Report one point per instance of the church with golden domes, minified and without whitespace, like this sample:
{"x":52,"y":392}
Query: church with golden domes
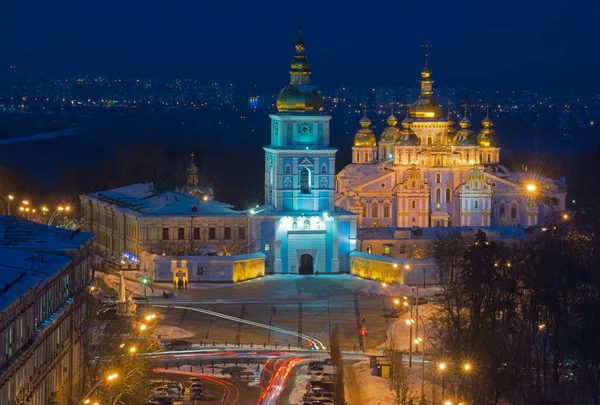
{"x":429,"y":174}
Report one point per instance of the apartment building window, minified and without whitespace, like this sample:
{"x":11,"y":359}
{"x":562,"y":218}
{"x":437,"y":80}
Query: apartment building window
{"x":196,"y":233}
{"x":165,"y":234}
{"x":227,"y":233}
{"x":180,"y":233}
{"x":212,"y":233}
{"x":242,"y":233}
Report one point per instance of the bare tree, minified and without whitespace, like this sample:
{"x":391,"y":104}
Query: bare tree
{"x":399,"y":377}
{"x":339,"y":397}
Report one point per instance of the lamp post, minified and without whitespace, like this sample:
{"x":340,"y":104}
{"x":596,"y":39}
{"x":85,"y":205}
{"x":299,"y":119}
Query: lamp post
{"x":109,"y":378}
{"x":8,"y":199}
{"x":59,"y":209}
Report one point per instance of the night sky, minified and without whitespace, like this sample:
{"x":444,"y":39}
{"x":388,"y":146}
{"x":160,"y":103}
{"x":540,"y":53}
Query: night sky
{"x":521,"y":43}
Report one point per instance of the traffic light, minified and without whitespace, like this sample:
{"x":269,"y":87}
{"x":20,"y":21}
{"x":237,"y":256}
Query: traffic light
{"x":311,"y":345}
{"x":144,"y":280}
{"x":363,"y":331}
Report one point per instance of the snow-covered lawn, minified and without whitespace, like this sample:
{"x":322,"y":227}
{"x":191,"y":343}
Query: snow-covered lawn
{"x":374,"y":390}
{"x":172,"y":332}
{"x":299,"y":390}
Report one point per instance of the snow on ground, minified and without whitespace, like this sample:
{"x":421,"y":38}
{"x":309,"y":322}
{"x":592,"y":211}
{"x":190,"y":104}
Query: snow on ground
{"x":219,"y":369}
{"x":394,"y":289}
{"x":208,"y":345}
{"x":299,"y":390}
{"x":374,"y":390}
{"x":172,"y":332}
{"x":131,"y":287}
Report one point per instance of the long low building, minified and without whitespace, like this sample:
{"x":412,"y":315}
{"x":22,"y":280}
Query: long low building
{"x":45,"y":273}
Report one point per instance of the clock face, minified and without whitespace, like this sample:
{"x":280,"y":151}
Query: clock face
{"x":304,"y":129}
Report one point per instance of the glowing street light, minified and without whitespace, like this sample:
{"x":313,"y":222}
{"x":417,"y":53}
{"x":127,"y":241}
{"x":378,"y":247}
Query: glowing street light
{"x":442,"y":366}
{"x":132,"y":349}
{"x":143,"y":327}
{"x":112,"y":377}
{"x":531,"y":187}
{"x":396,"y":301}
{"x":467,"y":367}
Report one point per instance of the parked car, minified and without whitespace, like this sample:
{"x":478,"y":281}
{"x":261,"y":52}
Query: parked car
{"x":197,"y":394}
{"x":178,"y":345}
{"x":173,"y":386}
{"x":422,"y":301}
{"x":196,"y":380}
{"x":164,"y":392}
{"x":197,"y":386}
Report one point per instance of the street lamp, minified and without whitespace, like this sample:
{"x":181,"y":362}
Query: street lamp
{"x":467,"y":367}
{"x":143,"y":327}
{"x":442,"y":369}
{"x":8,"y":199}
{"x":132,"y":349}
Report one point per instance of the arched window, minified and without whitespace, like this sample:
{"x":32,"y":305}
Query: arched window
{"x":357,"y":157}
{"x":323,"y":168}
{"x":489,"y":158}
{"x":467,"y":158}
{"x":413,"y":183}
{"x":337,"y":186}
{"x":476,"y":204}
{"x":318,"y":225}
{"x":369,"y":249}
{"x":437,"y":223}
{"x":438,"y":178}
{"x":374,"y":209}
{"x":438,"y":195}
{"x":306,"y":224}
{"x":438,"y":162}
{"x":366,"y":156}
{"x":448,"y":195}
{"x":413,"y":204}
{"x":304,"y":185}
{"x":295,"y":226}
{"x":429,"y":141}
{"x":364,"y":210}
{"x":409,"y":156}
{"x":288,"y":169}
{"x":481,"y":158}
{"x":386,"y":210}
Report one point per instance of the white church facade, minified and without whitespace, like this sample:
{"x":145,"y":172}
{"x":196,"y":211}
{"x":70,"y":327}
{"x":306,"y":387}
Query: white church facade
{"x":429,"y":174}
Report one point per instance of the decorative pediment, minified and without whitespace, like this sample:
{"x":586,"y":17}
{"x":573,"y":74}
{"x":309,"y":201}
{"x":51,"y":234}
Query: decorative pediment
{"x":306,"y":161}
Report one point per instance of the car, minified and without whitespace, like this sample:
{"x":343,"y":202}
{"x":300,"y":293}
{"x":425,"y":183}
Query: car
{"x":164,"y":392}
{"x":197,"y":394}
{"x":197,"y":386}
{"x":316,"y":371}
{"x":422,"y":301}
{"x":178,"y":345}
{"x":196,"y":380}
{"x":173,"y":386}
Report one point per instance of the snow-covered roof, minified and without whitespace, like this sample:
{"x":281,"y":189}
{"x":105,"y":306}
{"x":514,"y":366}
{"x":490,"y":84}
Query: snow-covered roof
{"x":21,"y":270}
{"x":18,"y":233}
{"x":139,"y":199}
{"x":361,"y":173}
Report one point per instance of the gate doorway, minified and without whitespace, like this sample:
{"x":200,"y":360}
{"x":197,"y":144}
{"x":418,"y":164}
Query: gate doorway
{"x":306,"y":264}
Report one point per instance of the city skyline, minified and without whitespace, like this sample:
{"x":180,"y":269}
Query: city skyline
{"x":538,"y":46}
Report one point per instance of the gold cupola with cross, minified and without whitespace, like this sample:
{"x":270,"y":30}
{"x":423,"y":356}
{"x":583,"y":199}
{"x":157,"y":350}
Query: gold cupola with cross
{"x":426,"y":107}
{"x":299,"y":96}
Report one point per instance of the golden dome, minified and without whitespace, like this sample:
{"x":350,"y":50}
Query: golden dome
{"x":464,"y":136}
{"x":487,"y":136}
{"x":425,"y":108}
{"x":407,"y":136}
{"x":300,"y":96}
{"x":364,"y":136}
{"x":390,"y":134}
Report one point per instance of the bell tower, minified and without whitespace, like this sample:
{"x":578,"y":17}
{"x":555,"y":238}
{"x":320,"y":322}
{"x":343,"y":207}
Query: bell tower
{"x":299,"y":163}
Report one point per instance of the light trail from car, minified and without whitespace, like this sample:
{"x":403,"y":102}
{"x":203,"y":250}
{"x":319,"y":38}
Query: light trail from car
{"x":317,"y":342}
